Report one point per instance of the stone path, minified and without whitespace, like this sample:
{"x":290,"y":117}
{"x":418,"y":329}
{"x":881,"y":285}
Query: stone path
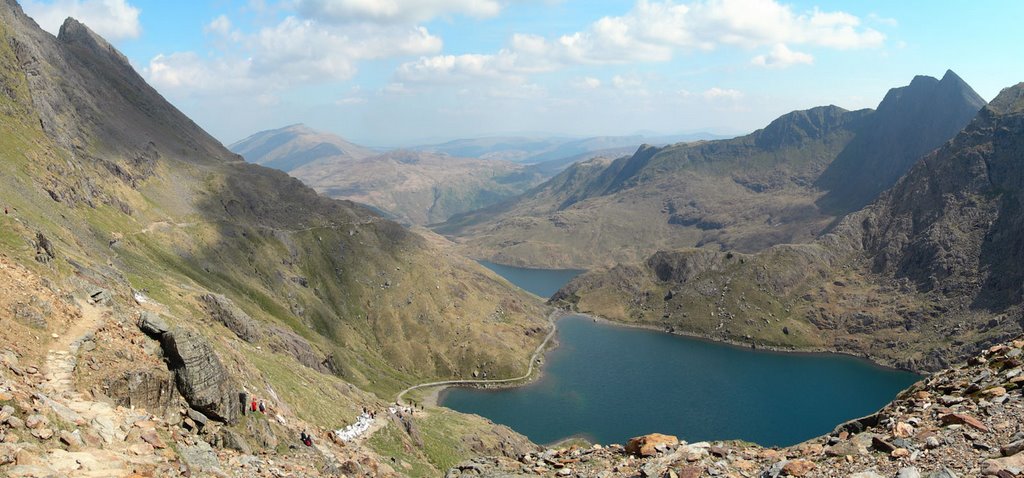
{"x":101,"y":427}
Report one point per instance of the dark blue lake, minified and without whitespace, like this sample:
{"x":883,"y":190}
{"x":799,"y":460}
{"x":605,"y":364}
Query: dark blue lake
{"x":542,"y":282}
{"x":609,"y":383}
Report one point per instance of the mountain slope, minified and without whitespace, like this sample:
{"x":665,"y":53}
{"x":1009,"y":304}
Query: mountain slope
{"x":925,"y":275}
{"x":745,"y":193}
{"x":294,"y":146}
{"x":110,"y":186}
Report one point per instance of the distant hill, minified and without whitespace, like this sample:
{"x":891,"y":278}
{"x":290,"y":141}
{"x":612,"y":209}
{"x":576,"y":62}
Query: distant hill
{"x":295,"y":146}
{"x":785,"y":183}
{"x":531,"y":150}
{"x":926,"y":275}
{"x":418,"y":187}
{"x":414,"y":187}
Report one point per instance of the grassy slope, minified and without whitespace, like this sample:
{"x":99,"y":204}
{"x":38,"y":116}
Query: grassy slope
{"x":710,"y":189}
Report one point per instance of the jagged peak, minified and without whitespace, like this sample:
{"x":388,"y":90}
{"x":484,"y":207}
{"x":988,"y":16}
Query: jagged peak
{"x":1009,"y":101}
{"x":951,"y":76}
{"x":927,"y":88}
{"x":74,"y":32}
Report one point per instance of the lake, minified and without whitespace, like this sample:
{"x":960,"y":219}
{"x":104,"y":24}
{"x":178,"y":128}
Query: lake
{"x":542,"y":282}
{"x":609,"y":383}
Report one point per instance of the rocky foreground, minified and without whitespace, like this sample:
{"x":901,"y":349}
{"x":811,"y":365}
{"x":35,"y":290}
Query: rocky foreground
{"x":962,"y":421}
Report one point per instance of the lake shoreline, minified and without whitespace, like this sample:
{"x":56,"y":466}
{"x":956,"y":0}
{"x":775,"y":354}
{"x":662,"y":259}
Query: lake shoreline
{"x":631,"y":350}
{"x":747,"y":345}
{"x":435,"y":395}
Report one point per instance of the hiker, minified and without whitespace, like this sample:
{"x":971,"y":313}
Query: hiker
{"x":253,"y":405}
{"x":263,"y":408}
{"x":306,"y":439}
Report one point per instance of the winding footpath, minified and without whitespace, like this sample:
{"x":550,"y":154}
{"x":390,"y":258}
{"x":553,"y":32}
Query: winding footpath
{"x":529,"y":371}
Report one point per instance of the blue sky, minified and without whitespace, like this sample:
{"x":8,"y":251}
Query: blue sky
{"x":399,"y":72}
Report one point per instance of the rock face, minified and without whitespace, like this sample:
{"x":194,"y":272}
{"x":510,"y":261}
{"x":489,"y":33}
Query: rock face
{"x":149,"y":389}
{"x":200,"y":376}
{"x":288,"y":342}
{"x":226,"y":312}
{"x":911,"y":121}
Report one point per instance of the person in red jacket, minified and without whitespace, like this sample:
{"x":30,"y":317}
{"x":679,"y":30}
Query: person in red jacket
{"x":253,"y":406}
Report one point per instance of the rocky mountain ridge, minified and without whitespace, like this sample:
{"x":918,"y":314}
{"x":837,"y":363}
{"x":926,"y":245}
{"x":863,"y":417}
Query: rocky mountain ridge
{"x":920,"y":278}
{"x":744,"y":194}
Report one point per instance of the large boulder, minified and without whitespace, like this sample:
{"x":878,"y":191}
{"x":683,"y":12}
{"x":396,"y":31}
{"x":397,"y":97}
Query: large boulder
{"x":226,"y":312}
{"x":648,"y":445}
{"x":201,"y":377}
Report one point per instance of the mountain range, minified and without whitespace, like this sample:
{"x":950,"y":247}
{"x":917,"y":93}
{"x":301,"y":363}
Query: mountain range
{"x":541,"y":149}
{"x":785,"y":183}
{"x":427,"y":184}
{"x":924,"y":276}
{"x":413,"y":187}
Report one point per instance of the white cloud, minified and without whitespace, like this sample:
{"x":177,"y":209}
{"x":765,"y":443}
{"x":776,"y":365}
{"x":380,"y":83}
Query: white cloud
{"x":624,"y":83}
{"x":887,"y":21}
{"x":111,"y":19}
{"x":587,"y":82}
{"x":401,"y":11}
{"x":717,"y":93}
{"x":655,"y":31}
{"x":220,"y":26}
{"x":781,"y":56}
{"x":294,"y":51}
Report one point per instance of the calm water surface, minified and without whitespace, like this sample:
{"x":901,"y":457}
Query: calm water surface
{"x":610,"y":383}
{"x":542,"y":282}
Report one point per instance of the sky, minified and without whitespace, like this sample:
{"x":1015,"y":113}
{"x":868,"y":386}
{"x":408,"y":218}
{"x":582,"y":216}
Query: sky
{"x":403,"y":72}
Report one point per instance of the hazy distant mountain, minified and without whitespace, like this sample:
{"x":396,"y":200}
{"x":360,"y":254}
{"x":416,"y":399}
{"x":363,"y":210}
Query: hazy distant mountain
{"x":540,"y":149}
{"x":745,"y":193}
{"x":927,"y":274}
{"x":295,"y":146}
{"x":414,"y":187}
{"x":418,"y":187}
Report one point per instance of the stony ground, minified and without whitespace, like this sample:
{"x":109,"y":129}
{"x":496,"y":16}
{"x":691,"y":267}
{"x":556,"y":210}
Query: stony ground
{"x":55,"y":421}
{"x":961,"y":422}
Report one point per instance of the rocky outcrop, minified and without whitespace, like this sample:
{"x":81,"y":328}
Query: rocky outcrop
{"x":289,"y":343}
{"x":225,"y":311}
{"x":200,"y":375}
{"x":152,"y":390}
